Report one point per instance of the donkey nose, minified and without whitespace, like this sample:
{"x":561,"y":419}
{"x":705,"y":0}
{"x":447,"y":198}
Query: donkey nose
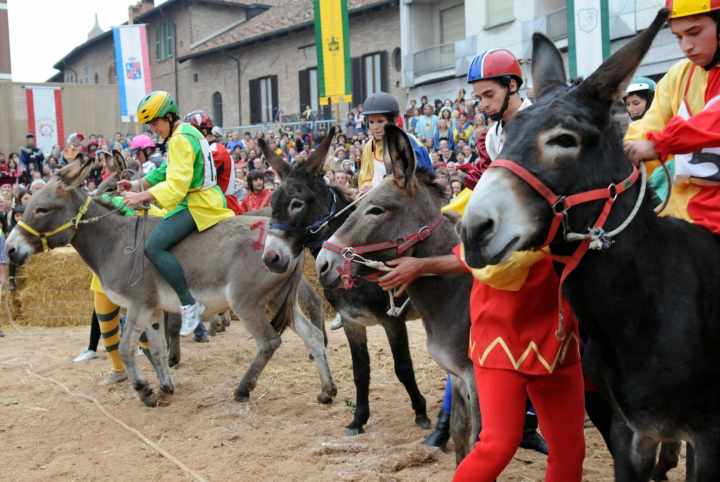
{"x":271,"y":257}
{"x":324,"y":268}
{"x":478,"y":232}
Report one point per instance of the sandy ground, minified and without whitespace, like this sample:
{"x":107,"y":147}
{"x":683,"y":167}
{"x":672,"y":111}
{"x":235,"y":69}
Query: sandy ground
{"x":283,"y":434}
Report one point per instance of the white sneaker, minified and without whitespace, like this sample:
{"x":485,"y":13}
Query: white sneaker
{"x":191,"y":317}
{"x":85,"y":356}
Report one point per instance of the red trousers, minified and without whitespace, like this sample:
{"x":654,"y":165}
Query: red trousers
{"x":559,"y":401}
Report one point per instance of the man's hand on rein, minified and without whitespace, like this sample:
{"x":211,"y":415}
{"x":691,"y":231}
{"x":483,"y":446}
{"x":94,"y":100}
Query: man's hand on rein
{"x":405,"y":271}
{"x":638,"y":151}
{"x":137,"y":199}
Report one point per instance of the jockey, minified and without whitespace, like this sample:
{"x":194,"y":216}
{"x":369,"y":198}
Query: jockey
{"x":639,"y":96}
{"x":380,"y":109}
{"x":682,"y":122}
{"x":223,"y":162}
{"x":186,"y":186}
{"x":141,"y":148}
{"x":514,"y":344}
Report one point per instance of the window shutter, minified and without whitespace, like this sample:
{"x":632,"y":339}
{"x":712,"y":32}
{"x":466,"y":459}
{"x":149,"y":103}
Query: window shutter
{"x":384,"y":81}
{"x":274,"y":88}
{"x":357,"y":81}
{"x":255,"y":114}
{"x":170,"y":39}
{"x":304,"y":84}
{"x":158,"y":42}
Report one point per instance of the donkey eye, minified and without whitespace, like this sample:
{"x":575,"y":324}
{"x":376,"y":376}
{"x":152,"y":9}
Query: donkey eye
{"x":375,"y":211}
{"x":565,"y":141}
{"x":41,"y":211}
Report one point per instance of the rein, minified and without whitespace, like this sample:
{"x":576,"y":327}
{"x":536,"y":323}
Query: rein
{"x":73,"y":223}
{"x":596,"y":238}
{"x":354,"y":254}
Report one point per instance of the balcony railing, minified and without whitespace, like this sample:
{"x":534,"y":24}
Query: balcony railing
{"x":434,"y":59}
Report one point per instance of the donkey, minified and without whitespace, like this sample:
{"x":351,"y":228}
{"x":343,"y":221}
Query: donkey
{"x":648,"y":298}
{"x":305,"y":212}
{"x":230,"y":276}
{"x":405,"y":205}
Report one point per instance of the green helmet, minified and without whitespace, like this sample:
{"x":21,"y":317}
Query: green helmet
{"x":156,"y":104}
{"x":641,"y":84}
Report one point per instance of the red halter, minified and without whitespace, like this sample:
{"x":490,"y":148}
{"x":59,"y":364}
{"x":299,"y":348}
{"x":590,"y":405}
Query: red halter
{"x":401,"y":245}
{"x":560,"y":206}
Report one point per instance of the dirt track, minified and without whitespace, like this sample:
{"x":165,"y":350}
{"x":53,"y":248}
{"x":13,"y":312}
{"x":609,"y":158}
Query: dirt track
{"x":282,"y":434}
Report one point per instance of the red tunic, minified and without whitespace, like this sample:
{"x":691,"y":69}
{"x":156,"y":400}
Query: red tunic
{"x":516,"y":330}
{"x":225,"y":175}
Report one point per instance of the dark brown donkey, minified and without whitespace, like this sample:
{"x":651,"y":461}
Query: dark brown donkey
{"x":305,"y":212}
{"x":404,"y":206}
{"x":648,"y":299}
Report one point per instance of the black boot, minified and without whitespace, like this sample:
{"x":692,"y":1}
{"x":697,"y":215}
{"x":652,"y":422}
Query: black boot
{"x":441,"y":434}
{"x":532,"y":440}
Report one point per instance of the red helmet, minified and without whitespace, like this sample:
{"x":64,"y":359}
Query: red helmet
{"x":200,"y":120}
{"x":494,"y":64}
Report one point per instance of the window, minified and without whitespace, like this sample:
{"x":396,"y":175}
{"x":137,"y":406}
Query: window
{"x":263,"y":99}
{"x":217,"y":109}
{"x":97,"y":78}
{"x":498,"y":13}
{"x":452,"y":23}
{"x":164,"y":40}
{"x":370,"y":75}
{"x":308,"y":88}
{"x":70,"y":77}
{"x":112,"y":74}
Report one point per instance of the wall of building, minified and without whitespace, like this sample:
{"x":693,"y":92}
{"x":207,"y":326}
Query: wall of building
{"x":87,"y":108}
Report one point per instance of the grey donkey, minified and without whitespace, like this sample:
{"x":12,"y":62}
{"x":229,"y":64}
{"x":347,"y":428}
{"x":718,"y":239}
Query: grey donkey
{"x":223,"y":266}
{"x":403,"y":205}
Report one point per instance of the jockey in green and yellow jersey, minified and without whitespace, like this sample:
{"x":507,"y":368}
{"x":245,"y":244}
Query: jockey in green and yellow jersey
{"x":184,"y":185}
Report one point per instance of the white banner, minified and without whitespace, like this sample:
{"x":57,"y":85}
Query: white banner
{"x":45,"y":120}
{"x":588,"y":34}
{"x":132,"y":65}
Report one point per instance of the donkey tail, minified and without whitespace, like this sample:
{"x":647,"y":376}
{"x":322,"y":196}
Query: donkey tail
{"x":285,"y":313}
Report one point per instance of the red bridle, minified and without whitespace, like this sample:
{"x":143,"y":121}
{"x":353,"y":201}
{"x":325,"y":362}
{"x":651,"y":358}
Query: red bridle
{"x":352,"y":254}
{"x":561,"y":205}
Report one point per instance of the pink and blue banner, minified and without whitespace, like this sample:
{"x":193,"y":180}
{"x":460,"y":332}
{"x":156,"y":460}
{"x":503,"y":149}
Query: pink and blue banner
{"x":132,"y":64}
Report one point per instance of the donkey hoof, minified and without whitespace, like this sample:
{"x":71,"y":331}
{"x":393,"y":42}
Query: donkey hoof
{"x":353,"y":431}
{"x":325,"y":398}
{"x":423,"y":422}
{"x":168,"y":389}
{"x":150,"y":400}
{"x":242,"y":395}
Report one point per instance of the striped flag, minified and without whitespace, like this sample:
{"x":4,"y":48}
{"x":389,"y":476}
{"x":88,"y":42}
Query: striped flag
{"x":132,"y":65}
{"x":45,"y":116}
{"x":332,"y":43}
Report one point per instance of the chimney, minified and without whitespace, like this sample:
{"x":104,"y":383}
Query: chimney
{"x":5,"y":68}
{"x":141,"y":7}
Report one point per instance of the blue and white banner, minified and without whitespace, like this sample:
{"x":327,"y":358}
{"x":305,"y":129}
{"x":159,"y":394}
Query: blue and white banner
{"x":132,"y":65}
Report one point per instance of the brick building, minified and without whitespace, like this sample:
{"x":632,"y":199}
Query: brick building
{"x":243,"y":62}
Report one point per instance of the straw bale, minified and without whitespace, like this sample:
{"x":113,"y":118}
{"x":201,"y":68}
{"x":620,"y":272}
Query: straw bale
{"x":53,"y":290}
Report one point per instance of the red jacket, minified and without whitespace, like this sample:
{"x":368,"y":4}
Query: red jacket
{"x":516,"y":329}
{"x":225,"y":175}
{"x":254,"y":201}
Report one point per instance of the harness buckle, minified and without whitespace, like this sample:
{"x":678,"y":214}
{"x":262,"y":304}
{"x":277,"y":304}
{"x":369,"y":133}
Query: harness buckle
{"x":613,"y":192}
{"x":560,"y":203}
{"x":424,"y":233}
{"x":348,"y":253}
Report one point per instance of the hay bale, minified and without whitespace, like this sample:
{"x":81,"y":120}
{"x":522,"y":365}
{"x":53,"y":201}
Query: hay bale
{"x":311,"y":276}
{"x":53,"y":290}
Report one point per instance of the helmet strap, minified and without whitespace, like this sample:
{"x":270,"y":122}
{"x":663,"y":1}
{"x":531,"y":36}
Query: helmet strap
{"x":506,"y":102}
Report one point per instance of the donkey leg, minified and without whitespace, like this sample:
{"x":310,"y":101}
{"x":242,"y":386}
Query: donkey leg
{"x":399,"y":345}
{"x":667,"y":460}
{"x":315,"y":342}
{"x":633,"y":455}
{"x":134,"y":326}
{"x":267,"y":341}
{"x":159,"y":352}
{"x":172,"y":335}
{"x":460,"y":425}
{"x":357,"y":339}
{"x":473,"y":404}
{"x":707,"y":455}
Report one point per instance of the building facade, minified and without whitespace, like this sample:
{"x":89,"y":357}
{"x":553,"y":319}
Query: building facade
{"x":436,"y":64}
{"x":247,"y":63}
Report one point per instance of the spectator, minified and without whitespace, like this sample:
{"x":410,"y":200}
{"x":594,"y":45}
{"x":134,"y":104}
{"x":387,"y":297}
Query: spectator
{"x":426,"y":123}
{"x":30,"y":155}
{"x":256,"y":197}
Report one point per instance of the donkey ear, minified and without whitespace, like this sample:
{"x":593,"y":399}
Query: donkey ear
{"x":316,"y":161}
{"x":278,"y":163}
{"x":119,"y":161}
{"x":402,"y":156}
{"x":75,"y":173}
{"x":548,"y":69}
{"x":610,"y":80}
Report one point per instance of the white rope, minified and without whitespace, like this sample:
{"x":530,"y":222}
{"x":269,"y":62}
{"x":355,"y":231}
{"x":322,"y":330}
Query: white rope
{"x":107,"y":414}
{"x":599,"y":239}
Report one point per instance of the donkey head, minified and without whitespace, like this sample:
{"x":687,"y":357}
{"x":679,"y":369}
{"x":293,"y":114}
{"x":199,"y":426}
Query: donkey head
{"x":402,"y":204}
{"x":121,"y":168}
{"x":302,"y":198}
{"x":49,"y":208}
{"x":566,"y":138}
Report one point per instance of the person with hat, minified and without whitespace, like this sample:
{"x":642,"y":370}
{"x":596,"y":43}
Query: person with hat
{"x":683,"y":121}
{"x":381,"y":109}
{"x":638,"y":97}
{"x":185,"y":185}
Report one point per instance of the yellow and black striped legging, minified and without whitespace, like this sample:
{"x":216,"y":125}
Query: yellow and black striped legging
{"x":108,"y":315}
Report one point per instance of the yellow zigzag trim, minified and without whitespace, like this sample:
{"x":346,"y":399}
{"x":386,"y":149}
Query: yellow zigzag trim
{"x":531,"y":348}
